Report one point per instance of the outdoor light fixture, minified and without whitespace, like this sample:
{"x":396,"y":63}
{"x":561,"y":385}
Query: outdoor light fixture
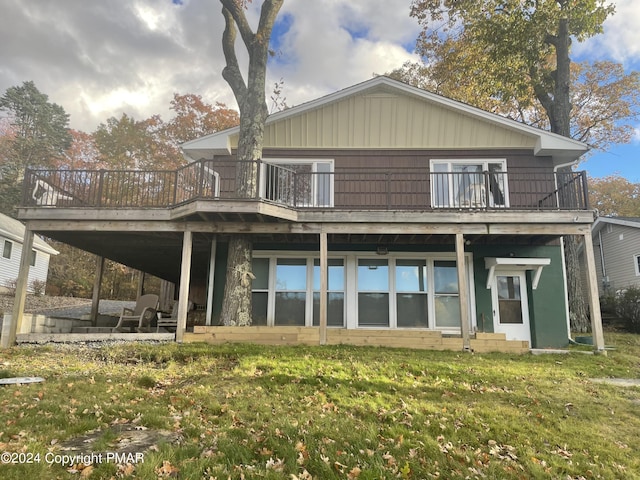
{"x":382,"y":250}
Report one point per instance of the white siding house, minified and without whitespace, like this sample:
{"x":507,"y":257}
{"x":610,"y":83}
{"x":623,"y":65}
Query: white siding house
{"x":11,"y":237}
{"x":616,"y":241}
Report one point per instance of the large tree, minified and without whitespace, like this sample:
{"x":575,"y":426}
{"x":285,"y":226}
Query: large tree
{"x":38,"y":136}
{"x":615,"y":196}
{"x":515,"y":52}
{"x":250,"y":95}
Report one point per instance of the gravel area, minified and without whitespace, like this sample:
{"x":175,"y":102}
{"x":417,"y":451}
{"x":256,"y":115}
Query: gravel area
{"x":63,"y":306}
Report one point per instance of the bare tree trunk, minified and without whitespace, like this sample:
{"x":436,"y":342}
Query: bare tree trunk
{"x":578,"y":316}
{"x":558,"y":108}
{"x":236,"y":307}
{"x":236,"y":304}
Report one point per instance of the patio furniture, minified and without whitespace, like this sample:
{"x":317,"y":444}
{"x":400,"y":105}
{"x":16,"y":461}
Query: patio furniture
{"x":170,"y":321}
{"x":140,"y":317}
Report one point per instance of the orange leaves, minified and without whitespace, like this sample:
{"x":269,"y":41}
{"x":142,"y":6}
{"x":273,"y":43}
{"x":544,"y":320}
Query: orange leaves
{"x":166,"y":470}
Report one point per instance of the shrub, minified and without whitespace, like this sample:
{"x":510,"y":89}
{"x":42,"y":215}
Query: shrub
{"x":11,"y":286}
{"x":628,"y":307}
{"x":37,"y":287}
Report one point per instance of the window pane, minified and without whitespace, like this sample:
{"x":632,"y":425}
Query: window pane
{"x":412,"y":310}
{"x":259,"y":307}
{"x":373,"y":275}
{"x":260,"y":267}
{"x":373,"y":309}
{"x":445,"y":276}
{"x":335,"y":309}
{"x":335,"y":274}
{"x":290,"y":308}
{"x":32,"y":259}
{"x":6,"y":251}
{"x":411,"y":275}
{"x":447,"y":311}
{"x":323,"y":184}
{"x":440,"y":184}
{"x":291,"y":274}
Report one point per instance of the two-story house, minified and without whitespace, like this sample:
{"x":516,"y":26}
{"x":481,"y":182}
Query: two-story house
{"x":385,"y":215}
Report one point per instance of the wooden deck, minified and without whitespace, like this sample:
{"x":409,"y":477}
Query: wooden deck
{"x":415,"y":339}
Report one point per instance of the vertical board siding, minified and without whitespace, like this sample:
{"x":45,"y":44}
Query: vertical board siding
{"x":384,"y":120}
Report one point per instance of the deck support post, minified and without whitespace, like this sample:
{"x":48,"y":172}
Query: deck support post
{"x":9,"y":331}
{"x":141,"y":278}
{"x":594,"y":298}
{"x":185,"y":278}
{"x":463,"y":292}
{"x":97,"y":285}
{"x":211,"y":279}
{"x":324,"y":280}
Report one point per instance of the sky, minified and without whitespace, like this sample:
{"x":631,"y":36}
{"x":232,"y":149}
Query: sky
{"x":99,"y":59}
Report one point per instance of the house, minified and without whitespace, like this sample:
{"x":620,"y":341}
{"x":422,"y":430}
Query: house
{"x":617,"y":250}
{"x":383,"y":215}
{"x":11,"y":237}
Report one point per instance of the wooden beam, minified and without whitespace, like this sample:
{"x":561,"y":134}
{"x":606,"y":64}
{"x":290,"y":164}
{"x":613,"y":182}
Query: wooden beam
{"x":323,"y":287}
{"x":185,"y":277}
{"x":9,"y":331}
{"x":463,"y":292}
{"x":594,"y":298}
{"x":97,"y":284}
{"x":211,"y":279}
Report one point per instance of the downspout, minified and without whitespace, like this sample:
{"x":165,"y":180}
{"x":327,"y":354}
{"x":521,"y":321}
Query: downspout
{"x":604,"y":268}
{"x":564,"y":264}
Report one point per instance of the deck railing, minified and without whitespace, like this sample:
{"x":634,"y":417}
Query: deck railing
{"x":367,"y":189}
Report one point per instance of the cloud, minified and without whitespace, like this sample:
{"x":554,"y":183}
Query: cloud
{"x":621,"y":38}
{"x":102,"y":59}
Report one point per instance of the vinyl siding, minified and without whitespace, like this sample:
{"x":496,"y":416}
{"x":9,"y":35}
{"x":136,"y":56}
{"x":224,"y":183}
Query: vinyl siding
{"x":10,"y":267}
{"x":619,"y":247}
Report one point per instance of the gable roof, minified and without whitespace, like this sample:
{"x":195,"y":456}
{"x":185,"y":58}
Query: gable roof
{"x":13,"y":230}
{"x":384,"y":113}
{"x":600,"y":222}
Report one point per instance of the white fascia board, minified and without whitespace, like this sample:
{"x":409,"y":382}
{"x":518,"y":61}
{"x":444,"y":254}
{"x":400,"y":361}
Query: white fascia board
{"x":600,"y":221}
{"x":207,"y":147}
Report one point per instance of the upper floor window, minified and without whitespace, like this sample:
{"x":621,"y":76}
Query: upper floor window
{"x":469,"y":183}
{"x":636,"y":262}
{"x":6,"y":250}
{"x":300,"y":183}
{"x":32,"y":258}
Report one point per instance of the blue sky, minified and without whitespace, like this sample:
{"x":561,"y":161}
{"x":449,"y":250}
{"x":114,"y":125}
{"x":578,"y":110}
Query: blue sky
{"x":102,"y":59}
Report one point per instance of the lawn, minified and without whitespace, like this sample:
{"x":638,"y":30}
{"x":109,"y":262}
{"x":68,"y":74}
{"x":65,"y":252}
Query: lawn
{"x":241,"y":411}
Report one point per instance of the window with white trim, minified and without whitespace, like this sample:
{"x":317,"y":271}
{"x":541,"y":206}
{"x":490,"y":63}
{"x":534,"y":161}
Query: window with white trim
{"x":298,"y":182}
{"x":335,"y":292}
{"x":636,"y":262}
{"x":6,"y":249}
{"x":32,"y":259}
{"x":469,"y":183}
{"x":394,"y":291}
{"x":373,"y":292}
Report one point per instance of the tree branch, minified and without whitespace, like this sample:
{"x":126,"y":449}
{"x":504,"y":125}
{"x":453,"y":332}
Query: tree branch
{"x":231,"y":73}
{"x":235,"y":10}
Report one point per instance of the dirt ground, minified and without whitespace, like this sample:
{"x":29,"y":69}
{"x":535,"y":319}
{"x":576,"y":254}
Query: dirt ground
{"x":42,"y":302}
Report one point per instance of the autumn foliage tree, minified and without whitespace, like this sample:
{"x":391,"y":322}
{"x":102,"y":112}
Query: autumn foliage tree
{"x":614,"y":195}
{"x":513,"y":55}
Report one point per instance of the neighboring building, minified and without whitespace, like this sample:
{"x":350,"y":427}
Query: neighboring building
{"x":11,"y":237}
{"x":617,"y":250}
{"x":438,"y":224}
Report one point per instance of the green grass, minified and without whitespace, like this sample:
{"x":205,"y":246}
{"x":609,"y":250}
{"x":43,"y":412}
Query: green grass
{"x":245,"y":411}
